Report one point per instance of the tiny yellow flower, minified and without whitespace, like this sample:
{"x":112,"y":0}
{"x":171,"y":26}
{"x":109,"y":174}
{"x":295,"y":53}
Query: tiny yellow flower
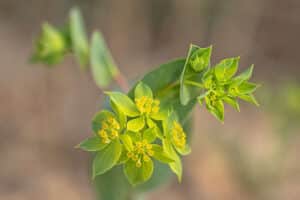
{"x":142,"y":151}
{"x":147,"y":105}
{"x":109,"y":130}
{"x":178,"y":135}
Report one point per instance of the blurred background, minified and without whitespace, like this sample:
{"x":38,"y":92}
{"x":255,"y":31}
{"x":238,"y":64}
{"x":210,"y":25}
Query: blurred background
{"x":45,"y":112}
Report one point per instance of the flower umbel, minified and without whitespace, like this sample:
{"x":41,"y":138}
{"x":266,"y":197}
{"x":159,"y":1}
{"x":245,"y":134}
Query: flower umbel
{"x":147,"y":105}
{"x":110,"y":130}
{"x":142,"y":151}
{"x":178,"y":135}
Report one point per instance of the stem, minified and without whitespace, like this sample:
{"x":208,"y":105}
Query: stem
{"x":122,"y":82}
{"x":193,"y":83}
{"x":167,"y":88}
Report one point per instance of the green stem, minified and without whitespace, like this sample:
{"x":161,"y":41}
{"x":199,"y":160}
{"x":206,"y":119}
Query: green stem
{"x":164,"y":90}
{"x":193,"y":83}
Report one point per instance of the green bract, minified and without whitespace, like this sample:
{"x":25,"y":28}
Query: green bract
{"x":133,"y":135}
{"x":214,"y":85}
{"x":51,"y":46}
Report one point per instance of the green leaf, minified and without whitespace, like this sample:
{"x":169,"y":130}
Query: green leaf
{"x":79,"y":37}
{"x":123,"y":157}
{"x":246,"y":75}
{"x":200,"y":59}
{"x":247,"y":88}
{"x":98,"y":118}
{"x":201,"y":97}
{"x":136,"y":124}
{"x":137,"y":175}
{"x":124,"y":103}
{"x":226,"y":69}
{"x":127,"y":141}
{"x":150,"y":134}
{"x":175,"y":166}
{"x":92,"y":144}
{"x":249,"y":98}
{"x":184,"y":151}
{"x":217,"y":109}
{"x":142,"y":90}
{"x":100,"y":62}
{"x":50,"y":46}
{"x":120,"y":115}
{"x":107,"y":158}
{"x":135,"y":136}
{"x":167,"y":88}
{"x":232,"y":101}
{"x":187,"y":92}
{"x":160,"y":155}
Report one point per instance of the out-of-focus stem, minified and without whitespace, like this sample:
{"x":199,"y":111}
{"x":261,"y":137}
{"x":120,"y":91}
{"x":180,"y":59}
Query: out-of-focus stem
{"x":122,"y":82}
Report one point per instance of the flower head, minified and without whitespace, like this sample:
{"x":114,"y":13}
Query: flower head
{"x":147,"y":105}
{"x":178,"y":135}
{"x":141,"y":152}
{"x":110,"y":129}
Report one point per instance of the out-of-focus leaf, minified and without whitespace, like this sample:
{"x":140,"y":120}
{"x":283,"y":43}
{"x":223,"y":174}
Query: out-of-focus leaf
{"x":79,"y":38}
{"x":99,"y":61}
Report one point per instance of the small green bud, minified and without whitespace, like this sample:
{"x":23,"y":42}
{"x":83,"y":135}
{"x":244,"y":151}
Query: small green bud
{"x":50,"y":46}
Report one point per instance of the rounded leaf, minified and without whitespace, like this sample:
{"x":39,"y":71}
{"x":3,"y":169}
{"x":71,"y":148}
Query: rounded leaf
{"x":142,"y":90}
{"x":107,"y":158}
{"x":138,"y":175}
{"x":124,"y":103}
{"x":92,"y":144}
{"x":136,"y":124}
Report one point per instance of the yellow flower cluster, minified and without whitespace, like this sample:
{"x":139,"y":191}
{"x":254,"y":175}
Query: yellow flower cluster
{"x":141,"y":152}
{"x":147,"y":105}
{"x":110,"y":130}
{"x":213,"y":98}
{"x":178,"y":135}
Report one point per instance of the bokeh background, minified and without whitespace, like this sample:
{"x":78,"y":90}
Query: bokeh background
{"x":45,"y":112}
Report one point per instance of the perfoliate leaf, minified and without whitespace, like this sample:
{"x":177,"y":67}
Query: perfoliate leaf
{"x":92,"y":144}
{"x":124,"y":103}
{"x":232,"y":101}
{"x":99,"y":61}
{"x":246,"y":75}
{"x":160,"y":155}
{"x":79,"y":37}
{"x":201,"y":97}
{"x":200,"y":59}
{"x":98,"y":118}
{"x":136,"y":124}
{"x":217,"y":109}
{"x":175,"y":166}
{"x":107,"y":158}
{"x":187,"y":92}
{"x":247,"y":88}
{"x":138,"y":175}
{"x":249,"y":98}
{"x":150,"y":134}
{"x":123,"y":157}
{"x":226,"y":69}
{"x":120,"y":115}
{"x":184,"y":151}
{"x":127,"y":142}
{"x":142,"y":90}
